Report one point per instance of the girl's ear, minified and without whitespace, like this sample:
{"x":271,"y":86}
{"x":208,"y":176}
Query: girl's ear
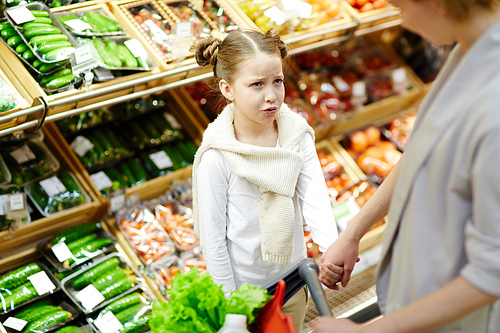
{"x":225,"y":89}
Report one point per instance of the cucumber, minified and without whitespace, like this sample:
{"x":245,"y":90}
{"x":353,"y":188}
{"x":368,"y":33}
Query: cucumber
{"x":129,"y":313}
{"x":87,"y":277}
{"x":118,"y":287}
{"x":46,"y":20}
{"x":125,"y":54}
{"x":68,"y":181}
{"x":59,"y":73}
{"x":73,"y":246}
{"x":104,"y":142}
{"x":109,"y":59}
{"x":123,"y":303}
{"x":137,"y":171}
{"x":37,"y":312}
{"x":32,"y":308}
{"x":34,"y":31}
{"x":61,"y":81}
{"x":115,"y":176}
{"x":37,"y":63}
{"x":113,"y":140}
{"x":49,"y":320}
{"x":73,"y":233}
{"x":20,"y":295}
{"x":137,"y":325}
{"x":14,"y":41}
{"x":39,"y":13}
{"x":5,"y":25}
{"x":89,"y":248}
{"x":139,"y":136}
{"x":18,"y":276}
{"x":71,"y":328}
{"x":48,"y":38}
{"x":127,"y":174}
{"x":7,"y":33}
{"x":21,"y":48}
{"x":44,"y":68}
{"x":49,"y":46}
{"x":31,"y":25}
{"x":60,"y":54}
{"x":107,"y":279}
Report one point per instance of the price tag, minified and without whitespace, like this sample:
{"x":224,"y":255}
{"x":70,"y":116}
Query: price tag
{"x":3,"y":204}
{"x":21,"y":15}
{"x":108,"y":323}
{"x":61,"y":251}
{"x":52,"y":186}
{"x":161,"y":159}
{"x":117,"y":202}
{"x":81,"y":145}
{"x":83,"y":54}
{"x":136,"y":48}
{"x":340,"y":84}
{"x":90,"y":297}
{"x":345,"y":211}
{"x":78,"y":25}
{"x":184,"y":29}
{"x":41,"y":282}
{"x":16,"y":201}
{"x":399,"y":75}
{"x":359,"y":89}
{"x":23,"y":154}
{"x":15,"y":323}
{"x":172,"y":120}
{"x":276,"y":15}
{"x":101,"y":180}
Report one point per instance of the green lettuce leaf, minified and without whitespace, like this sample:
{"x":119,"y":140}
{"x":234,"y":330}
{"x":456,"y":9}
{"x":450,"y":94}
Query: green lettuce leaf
{"x":247,"y":300}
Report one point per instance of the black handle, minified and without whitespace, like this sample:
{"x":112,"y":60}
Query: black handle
{"x":308,"y":271}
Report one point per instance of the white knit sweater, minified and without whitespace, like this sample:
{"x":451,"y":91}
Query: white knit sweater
{"x":274,"y":170}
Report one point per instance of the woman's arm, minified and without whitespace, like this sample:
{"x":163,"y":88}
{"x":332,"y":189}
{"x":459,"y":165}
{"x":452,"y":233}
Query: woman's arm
{"x":344,"y":252}
{"x":212,"y":184}
{"x":450,"y":303}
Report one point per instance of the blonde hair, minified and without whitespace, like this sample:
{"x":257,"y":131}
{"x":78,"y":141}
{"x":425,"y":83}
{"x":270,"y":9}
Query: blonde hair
{"x":461,"y":9}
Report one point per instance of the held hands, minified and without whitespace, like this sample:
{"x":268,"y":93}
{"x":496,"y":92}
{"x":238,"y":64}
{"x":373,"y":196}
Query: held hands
{"x":329,"y":325}
{"x":342,"y":254}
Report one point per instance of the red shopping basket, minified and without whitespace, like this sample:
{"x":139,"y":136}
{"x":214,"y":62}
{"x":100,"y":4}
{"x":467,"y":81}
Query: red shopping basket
{"x":271,"y":318}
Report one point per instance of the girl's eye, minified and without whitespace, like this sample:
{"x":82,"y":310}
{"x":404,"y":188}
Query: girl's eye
{"x":256,"y":84}
{"x":278,"y":81}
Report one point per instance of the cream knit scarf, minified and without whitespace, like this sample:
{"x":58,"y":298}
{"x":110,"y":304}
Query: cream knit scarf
{"x":275,"y":170}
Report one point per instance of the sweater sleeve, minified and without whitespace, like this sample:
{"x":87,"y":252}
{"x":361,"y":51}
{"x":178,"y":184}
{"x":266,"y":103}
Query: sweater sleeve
{"x":314,"y":200}
{"x":211,"y":179}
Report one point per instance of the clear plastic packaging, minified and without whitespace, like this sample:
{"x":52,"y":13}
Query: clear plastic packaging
{"x":7,"y":222}
{"x":177,"y":221}
{"x":84,"y":242}
{"x":95,"y":23}
{"x":94,"y":287}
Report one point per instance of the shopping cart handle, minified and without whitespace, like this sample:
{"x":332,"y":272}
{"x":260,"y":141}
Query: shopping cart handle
{"x":305,"y":272}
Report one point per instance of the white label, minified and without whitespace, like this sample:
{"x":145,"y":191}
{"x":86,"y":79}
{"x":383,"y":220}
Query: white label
{"x":172,"y":120}
{"x":15,"y":323}
{"x":78,"y":25}
{"x":90,"y":297}
{"x":41,"y":282}
{"x":276,"y":15}
{"x":23,"y":154}
{"x":161,"y":159}
{"x":21,"y":15}
{"x":108,"y":323}
{"x":344,"y":212}
{"x":340,"y":84}
{"x":52,"y":186}
{"x":358,"y":89}
{"x":301,"y":7}
{"x":117,"y":202}
{"x":184,"y":29}
{"x":136,"y":48}
{"x":399,"y":75}
{"x":16,"y":201}
{"x":81,"y":145}
{"x":3,"y":204}
{"x":83,"y":54}
{"x":101,"y":180}
{"x":61,"y":251}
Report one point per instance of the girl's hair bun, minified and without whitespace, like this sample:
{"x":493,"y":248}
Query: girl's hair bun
{"x":273,"y":33}
{"x":205,"y":50}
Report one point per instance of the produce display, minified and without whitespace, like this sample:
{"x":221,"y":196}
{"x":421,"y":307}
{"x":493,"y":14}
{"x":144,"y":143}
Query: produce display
{"x":222,"y":21}
{"x":85,"y":120}
{"x":269,"y":14}
{"x":114,"y":54}
{"x":363,"y":6}
{"x":337,"y":180}
{"x":9,"y":97}
{"x":57,"y":193}
{"x":29,"y":162}
{"x":18,"y":286}
{"x":184,"y":11}
{"x":399,"y":129}
{"x":84,"y":242}
{"x":5,"y":190}
{"x":112,"y":277}
{"x":375,"y":156}
{"x":198,"y":304}
{"x":98,"y":23}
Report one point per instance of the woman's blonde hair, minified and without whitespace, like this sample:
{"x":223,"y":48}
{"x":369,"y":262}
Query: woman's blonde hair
{"x":461,"y":9}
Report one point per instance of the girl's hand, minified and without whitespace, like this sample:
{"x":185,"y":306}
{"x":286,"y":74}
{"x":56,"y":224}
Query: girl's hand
{"x":331,"y":274}
{"x":329,"y":325}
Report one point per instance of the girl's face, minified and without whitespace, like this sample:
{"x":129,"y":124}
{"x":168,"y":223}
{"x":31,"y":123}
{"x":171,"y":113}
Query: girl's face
{"x":257,"y":91}
{"x":427,"y":19}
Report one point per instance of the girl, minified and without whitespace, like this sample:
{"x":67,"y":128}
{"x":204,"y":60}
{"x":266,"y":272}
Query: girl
{"x":440,"y":266}
{"x":256,"y":174}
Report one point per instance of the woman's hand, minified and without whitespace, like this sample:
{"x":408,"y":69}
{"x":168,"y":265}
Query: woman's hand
{"x":329,"y":325}
{"x":342,"y":253}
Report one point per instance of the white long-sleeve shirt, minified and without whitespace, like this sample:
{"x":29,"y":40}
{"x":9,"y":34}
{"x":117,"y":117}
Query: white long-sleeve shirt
{"x":229,"y":219}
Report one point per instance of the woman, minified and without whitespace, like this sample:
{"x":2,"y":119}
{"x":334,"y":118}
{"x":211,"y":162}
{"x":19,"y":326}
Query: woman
{"x":440,"y":266}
